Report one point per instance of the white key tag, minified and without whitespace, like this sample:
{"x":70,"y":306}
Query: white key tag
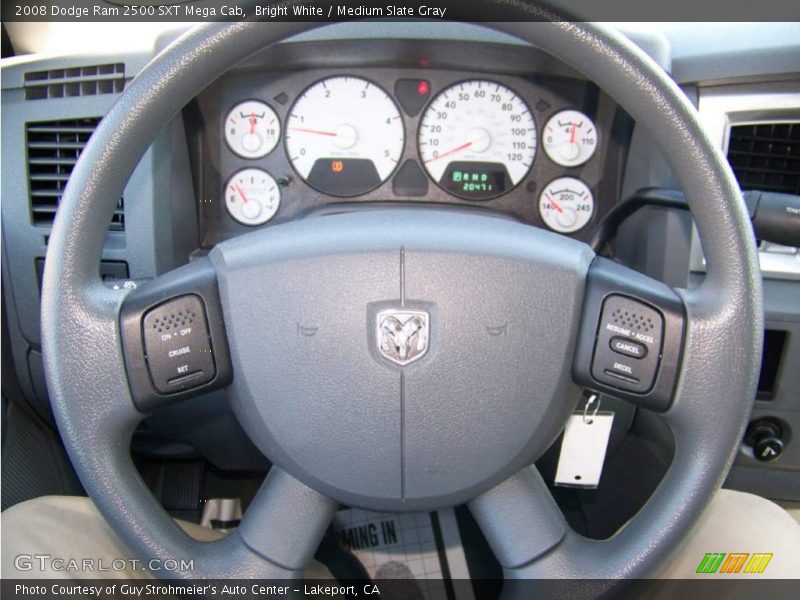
{"x":583,"y":449}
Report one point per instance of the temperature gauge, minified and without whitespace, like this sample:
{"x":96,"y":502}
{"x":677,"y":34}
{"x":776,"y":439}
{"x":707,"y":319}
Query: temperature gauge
{"x":252,"y":129}
{"x":570,"y":138}
{"x":252,"y":196}
{"x":566,"y":205}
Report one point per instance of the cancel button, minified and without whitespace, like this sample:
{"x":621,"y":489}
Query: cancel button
{"x":628,"y":347}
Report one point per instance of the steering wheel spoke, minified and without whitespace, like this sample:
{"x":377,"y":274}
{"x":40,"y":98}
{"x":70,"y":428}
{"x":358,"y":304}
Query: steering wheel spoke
{"x":174,"y":338}
{"x":532,"y":541}
{"x":631,"y":336}
{"x":530,"y":537}
{"x":277,"y":538}
{"x":519,"y":518}
{"x":286,"y":521}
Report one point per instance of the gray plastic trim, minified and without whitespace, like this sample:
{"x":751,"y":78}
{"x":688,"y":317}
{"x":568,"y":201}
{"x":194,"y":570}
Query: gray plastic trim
{"x":720,"y":108}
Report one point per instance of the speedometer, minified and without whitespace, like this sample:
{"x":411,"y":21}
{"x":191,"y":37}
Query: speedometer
{"x":477,"y":139}
{"x":344,"y":136}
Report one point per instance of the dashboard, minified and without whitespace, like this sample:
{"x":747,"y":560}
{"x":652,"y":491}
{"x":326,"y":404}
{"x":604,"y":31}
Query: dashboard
{"x":275,"y":145}
{"x":576,"y":150}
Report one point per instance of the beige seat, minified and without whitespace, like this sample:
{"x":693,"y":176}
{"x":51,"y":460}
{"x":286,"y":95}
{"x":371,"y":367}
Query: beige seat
{"x":67,"y":527}
{"x":70,"y":528}
{"x":736,"y":522}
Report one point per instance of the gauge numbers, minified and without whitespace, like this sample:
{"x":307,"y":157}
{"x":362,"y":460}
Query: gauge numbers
{"x":344,"y":136}
{"x":566,"y":205}
{"x":570,"y":138}
{"x":252,"y":196}
{"x":252,"y":129}
{"x":477,"y":139}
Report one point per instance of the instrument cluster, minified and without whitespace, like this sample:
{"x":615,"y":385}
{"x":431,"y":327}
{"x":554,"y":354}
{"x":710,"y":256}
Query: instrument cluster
{"x":288,"y":143}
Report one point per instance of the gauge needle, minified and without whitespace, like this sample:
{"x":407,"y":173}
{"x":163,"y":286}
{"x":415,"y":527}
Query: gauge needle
{"x":449,"y":152}
{"x":241,"y":193}
{"x":572,"y":135}
{"x":252,"y":123}
{"x":316,"y":131}
{"x":555,"y":204}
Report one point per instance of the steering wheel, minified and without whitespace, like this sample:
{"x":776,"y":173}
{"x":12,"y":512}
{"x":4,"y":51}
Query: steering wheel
{"x":431,"y":409}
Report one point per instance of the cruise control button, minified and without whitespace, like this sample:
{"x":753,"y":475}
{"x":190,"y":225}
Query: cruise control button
{"x":628,"y":347}
{"x":628,"y":342}
{"x":177,"y":347}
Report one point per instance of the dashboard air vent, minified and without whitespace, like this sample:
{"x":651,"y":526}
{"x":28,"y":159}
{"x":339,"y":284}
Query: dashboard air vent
{"x":766,"y":156}
{"x":75,"y":81}
{"x":53,"y":149}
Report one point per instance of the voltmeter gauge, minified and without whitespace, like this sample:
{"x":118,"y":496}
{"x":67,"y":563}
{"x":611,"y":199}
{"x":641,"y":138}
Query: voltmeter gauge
{"x":252,"y":129}
{"x":252,"y":196}
{"x":570,"y":138}
{"x":566,"y":205}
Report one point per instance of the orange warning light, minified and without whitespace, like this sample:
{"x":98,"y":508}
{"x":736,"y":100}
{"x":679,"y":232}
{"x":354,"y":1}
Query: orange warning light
{"x":337,"y":166}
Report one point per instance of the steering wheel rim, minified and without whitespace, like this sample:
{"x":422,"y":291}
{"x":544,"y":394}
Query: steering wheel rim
{"x":91,"y":399}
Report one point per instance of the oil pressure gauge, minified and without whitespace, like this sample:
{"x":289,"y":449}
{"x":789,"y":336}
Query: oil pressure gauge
{"x":566,"y":205}
{"x":252,"y":196}
{"x":252,"y":129}
{"x":570,"y":138}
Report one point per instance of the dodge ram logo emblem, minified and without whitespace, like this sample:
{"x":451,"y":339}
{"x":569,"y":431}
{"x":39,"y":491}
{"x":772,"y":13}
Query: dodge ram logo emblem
{"x":403,"y":335}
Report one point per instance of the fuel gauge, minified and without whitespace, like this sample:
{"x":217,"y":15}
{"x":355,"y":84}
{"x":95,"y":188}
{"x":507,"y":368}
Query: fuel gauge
{"x":252,"y":196}
{"x":252,"y":129}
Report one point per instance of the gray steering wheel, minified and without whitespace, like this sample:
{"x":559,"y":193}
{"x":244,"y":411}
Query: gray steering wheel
{"x":463,"y":422}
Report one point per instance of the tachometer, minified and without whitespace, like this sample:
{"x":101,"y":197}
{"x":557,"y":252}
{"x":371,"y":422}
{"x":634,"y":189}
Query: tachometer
{"x":344,"y":136}
{"x":477,"y":139}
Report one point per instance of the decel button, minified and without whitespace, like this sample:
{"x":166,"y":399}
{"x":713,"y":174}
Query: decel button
{"x":628,"y":347}
{"x":177,"y":347}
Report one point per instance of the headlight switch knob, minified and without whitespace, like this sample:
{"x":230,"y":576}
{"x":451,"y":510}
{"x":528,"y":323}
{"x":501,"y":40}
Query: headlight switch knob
{"x":766,"y":439}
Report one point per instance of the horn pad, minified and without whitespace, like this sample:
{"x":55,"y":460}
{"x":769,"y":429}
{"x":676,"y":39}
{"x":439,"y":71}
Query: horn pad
{"x":402,"y":359}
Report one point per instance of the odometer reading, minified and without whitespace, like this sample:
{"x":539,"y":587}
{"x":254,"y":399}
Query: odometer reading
{"x":477,"y":139}
{"x":465,"y":178}
{"x":344,"y":136}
